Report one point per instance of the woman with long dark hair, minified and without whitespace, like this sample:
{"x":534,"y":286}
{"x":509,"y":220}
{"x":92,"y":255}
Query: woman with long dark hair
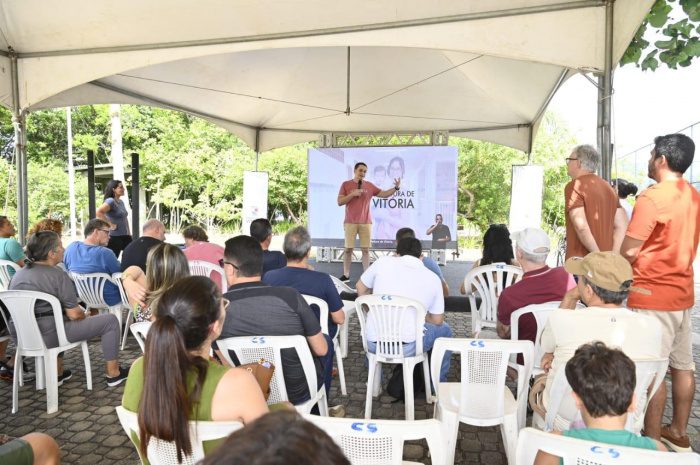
{"x":497,"y":248}
{"x":624,"y":189}
{"x":175,"y":381}
{"x":114,"y":212}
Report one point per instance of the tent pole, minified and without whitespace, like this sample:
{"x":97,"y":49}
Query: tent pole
{"x":605,"y":91}
{"x":257,"y":147}
{"x":19,"y":122}
{"x":347,"y":107}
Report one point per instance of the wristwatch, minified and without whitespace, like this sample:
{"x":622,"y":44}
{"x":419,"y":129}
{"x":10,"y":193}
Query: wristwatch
{"x":397,"y":188}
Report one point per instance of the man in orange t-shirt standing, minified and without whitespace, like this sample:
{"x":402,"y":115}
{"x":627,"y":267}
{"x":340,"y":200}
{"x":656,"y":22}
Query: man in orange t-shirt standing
{"x":595,"y":221}
{"x":661,"y":243}
{"x":356,"y":194}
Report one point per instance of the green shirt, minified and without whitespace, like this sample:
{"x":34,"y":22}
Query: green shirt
{"x":200,"y":411}
{"x":619,"y":437}
{"x":10,"y":250}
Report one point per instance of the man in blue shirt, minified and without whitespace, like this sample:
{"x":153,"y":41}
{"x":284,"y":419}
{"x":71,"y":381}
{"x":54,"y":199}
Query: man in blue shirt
{"x":92,"y":256}
{"x":299,"y":275}
{"x":261,"y":230}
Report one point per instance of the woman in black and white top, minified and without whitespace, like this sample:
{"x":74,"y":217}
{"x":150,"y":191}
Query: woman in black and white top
{"x":115,"y":213}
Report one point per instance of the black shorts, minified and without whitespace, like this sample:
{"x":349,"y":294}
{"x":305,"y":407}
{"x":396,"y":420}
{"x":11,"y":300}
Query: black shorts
{"x":118,"y":243}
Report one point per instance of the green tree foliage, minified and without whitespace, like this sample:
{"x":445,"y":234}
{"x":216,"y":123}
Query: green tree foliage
{"x":675,"y":28}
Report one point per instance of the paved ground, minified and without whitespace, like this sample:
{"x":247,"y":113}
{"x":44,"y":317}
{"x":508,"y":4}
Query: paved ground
{"x":88,"y":431}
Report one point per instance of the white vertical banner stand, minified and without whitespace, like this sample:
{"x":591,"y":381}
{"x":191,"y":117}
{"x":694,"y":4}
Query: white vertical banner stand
{"x":527,"y":183}
{"x":254,"y":198}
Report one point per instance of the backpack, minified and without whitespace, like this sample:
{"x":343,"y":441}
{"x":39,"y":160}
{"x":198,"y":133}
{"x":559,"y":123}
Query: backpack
{"x":395,"y":385}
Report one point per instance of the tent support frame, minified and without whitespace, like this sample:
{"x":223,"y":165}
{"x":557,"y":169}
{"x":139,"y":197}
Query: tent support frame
{"x":19,"y":122}
{"x":605,"y":90}
{"x":383,"y":139}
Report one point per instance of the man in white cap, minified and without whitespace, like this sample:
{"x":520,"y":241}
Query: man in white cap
{"x":604,"y":282}
{"x":539,"y":284}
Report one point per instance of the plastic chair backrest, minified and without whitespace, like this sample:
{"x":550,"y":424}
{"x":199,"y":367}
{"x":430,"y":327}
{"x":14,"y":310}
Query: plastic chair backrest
{"x":541,"y":313}
{"x":647,"y":372}
{"x":488,"y":282}
{"x":20,"y":304}
{"x":90,"y":287}
{"x":164,"y":452}
{"x":483,"y":373}
{"x":323,"y":310}
{"x":389,"y":314}
{"x":140,"y":331}
{"x":380,"y":442}
{"x":117,"y":280}
{"x":341,"y":286}
{"x":202,"y":268}
{"x":5,"y":277}
{"x":579,"y":451}
{"x":250,"y":349}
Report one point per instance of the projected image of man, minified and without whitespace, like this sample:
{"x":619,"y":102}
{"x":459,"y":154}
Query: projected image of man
{"x":356,"y":195}
{"x":441,"y":233}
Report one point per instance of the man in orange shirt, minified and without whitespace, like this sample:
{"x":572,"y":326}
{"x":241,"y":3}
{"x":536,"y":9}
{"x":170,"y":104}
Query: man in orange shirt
{"x":595,"y":221}
{"x":661,"y":243}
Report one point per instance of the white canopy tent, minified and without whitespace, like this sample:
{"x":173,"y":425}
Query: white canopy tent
{"x":277,"y":72}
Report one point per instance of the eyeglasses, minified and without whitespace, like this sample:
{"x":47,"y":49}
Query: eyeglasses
{"x":223,"y":262}
{"x":104,"y":230}
{"x":225,"y":302}
{"x":568,"y":159}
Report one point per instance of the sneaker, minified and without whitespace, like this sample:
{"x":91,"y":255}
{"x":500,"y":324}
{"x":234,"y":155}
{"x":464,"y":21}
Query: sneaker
{"x":7,"y":373}
{"x":678,"y":444}
{"x":65,"y":376}
{"x":338,"y":411}
{"x":117,"y":380}
{"x":344,"y":279}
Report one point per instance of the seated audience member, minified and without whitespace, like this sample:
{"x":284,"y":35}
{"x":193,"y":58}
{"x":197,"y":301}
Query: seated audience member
{"x":497,"y":248}
{"x":427,"y":261}
{"x":297,"y":274}
{"x":406,"y":276}
{"x":175,"y":381}
{"x":604,"y":280}
{"x":256,"y":309}
{"x":624,"y":189}
{"x":164,"y":266}
{"x":278,"y":437}
{"x":31,"y":449}
{"x":198,"y":247}
{"x":92,"y":256}
{"x":47,"y":224}
{"x":152,"y":234}
{"x":44,"y":252}
{"x":603,"y":382}
{"x":10,"y":249}
{"x":261,"y":230}
{"x":539,"y":284}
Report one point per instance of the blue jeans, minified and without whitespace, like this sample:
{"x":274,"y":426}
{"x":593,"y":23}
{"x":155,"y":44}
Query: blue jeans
{"x":430,"y":333}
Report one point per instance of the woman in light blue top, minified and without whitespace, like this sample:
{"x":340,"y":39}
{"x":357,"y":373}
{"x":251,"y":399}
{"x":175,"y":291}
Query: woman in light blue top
{"x":114,"y":212}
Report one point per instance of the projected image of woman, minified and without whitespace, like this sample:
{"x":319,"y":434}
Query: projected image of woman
{"x":388,"y":220}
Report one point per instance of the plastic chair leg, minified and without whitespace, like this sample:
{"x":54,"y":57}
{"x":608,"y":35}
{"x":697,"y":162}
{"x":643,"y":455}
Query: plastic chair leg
{"x":88,"y":368}
{"x":408,"y":389}
{"x":16,"y":380}
{"x":129,"y":317}
{"x":323,"y":402}
{"x":40,"y":376}
{"x":371,"y":373}
{"x":51,"y":382}
{"x":509,"y":432}
{"x":426,"y":380}
{"x":451,"y":428}
{"x":341,"y":369}
{"x":343,"y":338}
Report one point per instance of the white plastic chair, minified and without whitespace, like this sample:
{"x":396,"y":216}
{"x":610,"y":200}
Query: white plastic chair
{"x":481,"y":398}
{"x":90,"y":287}
{"x":349,"y":309}
{"x":323,"y":307}
{"x":30,"y":344}
{"x":161,"y":452}
{"x":649,"y":373}
{"x":487,"y":282}
{"x":202,"y":268}
{"x":117,"y":279}
{"x":5,"y":266}
{"x":389,"y":314}
{"x":249,"y":349}
{"x":380,"y":442}
{"x":140,"y":330}
{"x":579,"y":451}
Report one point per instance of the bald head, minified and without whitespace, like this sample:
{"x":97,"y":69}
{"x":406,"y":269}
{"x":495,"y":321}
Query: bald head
{"x":154,"y":228}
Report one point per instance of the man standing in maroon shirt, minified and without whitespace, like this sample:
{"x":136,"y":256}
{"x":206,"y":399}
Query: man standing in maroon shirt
{"x":540,"y":283}
{"x":356,"y":194}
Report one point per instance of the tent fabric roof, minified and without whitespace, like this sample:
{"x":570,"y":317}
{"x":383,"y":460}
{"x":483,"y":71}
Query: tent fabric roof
{"x":277,"y":72}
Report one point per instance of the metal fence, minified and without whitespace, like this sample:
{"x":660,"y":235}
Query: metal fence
{"x":633,"y":165}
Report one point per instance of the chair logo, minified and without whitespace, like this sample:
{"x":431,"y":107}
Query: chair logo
{"x":258,"y":340}
{"x":599,"y":450}
{"x":386,"y":297}
{"x":368,"y":427}
{"x":477,"y":343}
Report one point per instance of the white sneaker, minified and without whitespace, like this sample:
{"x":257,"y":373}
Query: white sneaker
{"x":338,"y":411}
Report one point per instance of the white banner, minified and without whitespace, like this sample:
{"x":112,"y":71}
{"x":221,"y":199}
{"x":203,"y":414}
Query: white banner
{"x":428,"y":191}
{"x":254,"y":198}
{"x":526,"y":197}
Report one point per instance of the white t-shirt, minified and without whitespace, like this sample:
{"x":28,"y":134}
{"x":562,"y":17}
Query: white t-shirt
{"x":406,"y":277}
{"x":639,"y":336}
